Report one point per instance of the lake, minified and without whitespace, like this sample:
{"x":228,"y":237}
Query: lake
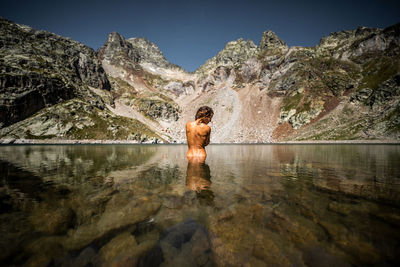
{"x":247,"y":205}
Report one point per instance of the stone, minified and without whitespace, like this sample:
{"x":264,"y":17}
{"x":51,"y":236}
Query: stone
{"x":117,"y":216}
{"x":44,"y":250}
{"x":299,"y":119}
{"x":316,"y":256}
{"x":176,"y":88}
{"x":185,"y":244}
{"x":221,"y":74}
{"x":269,"y":252}
{"x":362,"y":251}
{"x":120,"y":246}
{"x":387,"y":90}
{"x":52,"y":220}
{"x":82,"y":236}
{"x":173,"y":201}
{"x":251,"y":70}
{"x":361,"y":96}
{"x":87,"y":257}
{"x":286,"y":115}
{"x":120,"y":212}
{"x":158,"y":109}
{"x":200,"y":247}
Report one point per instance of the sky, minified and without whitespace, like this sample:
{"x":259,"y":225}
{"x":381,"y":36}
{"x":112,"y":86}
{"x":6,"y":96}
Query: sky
{"x":191,"y":32}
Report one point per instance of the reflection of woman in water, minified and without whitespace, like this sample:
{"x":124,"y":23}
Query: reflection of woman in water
{"x":198,"y":134}
{"x":198,"y":178}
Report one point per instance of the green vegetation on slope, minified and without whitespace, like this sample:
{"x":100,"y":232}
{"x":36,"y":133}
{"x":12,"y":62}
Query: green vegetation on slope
{"x":378,"y":70}
{"x":76,"y":119}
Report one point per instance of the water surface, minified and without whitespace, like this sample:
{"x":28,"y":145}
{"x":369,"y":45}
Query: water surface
{"x":247,"y":205}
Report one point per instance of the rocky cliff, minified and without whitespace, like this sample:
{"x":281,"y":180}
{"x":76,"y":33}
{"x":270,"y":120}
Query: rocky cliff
{"x":346,"y":87}
{"x":51,"y":87}
{"x":40,"y":69}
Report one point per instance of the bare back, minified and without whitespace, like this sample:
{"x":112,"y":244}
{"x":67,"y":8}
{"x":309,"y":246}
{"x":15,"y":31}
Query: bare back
{"x":198,"y":136}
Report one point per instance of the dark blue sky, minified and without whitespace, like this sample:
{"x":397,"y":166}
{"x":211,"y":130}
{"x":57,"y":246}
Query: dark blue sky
{"x":190,"y":32}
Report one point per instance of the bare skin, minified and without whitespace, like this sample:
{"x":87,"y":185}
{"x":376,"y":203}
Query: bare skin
{"x":198,"y":137}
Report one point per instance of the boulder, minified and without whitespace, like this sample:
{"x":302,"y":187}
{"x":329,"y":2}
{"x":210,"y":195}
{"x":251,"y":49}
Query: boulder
{"x":52,"y":220}
{"x":122,"y":245}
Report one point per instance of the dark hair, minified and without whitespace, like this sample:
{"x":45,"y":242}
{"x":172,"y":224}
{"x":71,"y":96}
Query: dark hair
{"x":204,"y":111}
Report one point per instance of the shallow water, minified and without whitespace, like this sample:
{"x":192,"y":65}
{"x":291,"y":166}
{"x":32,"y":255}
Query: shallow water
{"x":250,"y":205}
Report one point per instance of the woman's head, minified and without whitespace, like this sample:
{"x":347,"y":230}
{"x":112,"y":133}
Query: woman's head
{"x":205,"y":113}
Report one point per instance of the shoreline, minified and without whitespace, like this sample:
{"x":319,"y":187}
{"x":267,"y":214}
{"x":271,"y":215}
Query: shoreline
{"x":132,"y":142}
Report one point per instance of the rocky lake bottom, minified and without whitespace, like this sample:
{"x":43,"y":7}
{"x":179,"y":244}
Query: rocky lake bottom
{"x":247,"y":205}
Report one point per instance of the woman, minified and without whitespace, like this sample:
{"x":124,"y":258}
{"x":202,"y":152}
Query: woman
{"x":198,"y":134}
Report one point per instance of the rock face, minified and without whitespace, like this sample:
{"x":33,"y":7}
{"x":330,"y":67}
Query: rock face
{"x":117,"y":47}
{"x":386,"y":91}
{"x":234,"y":54}
{"x":39,"y":69}
{"x":270,"y":40}
{"x":346,"y":87}
{"x":150,"y":53}
{"x":133,"y":65}
{"x":355,"y":43}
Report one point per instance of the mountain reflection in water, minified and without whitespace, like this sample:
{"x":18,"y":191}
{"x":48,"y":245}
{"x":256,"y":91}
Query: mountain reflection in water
{"x":146,"y":205}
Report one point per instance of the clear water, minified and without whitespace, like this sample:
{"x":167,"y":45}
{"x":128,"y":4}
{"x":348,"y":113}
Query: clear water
{"x":248,"y":205}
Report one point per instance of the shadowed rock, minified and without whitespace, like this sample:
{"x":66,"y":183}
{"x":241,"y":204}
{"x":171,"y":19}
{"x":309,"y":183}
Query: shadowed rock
{"x":39,"y":69}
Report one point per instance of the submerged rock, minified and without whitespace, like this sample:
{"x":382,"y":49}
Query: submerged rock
{"x":52,"y":220}
{"x":185,"y":244}
{"x":120,"y":212}
{"x":45,"y":250}
{"x":121,"y":246}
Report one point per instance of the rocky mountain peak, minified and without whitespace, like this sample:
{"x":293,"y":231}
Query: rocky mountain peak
{"x":116,"y":38}
{"x":149,"y":52}
{"x":117,"y":46}
{"x":233,"y":55}
{"x":335,"y":39}
{"x":239,"y":47}
{"x":270,"y":40}
{"x":240,"y":43}
{"x":359,"y":43}
{"x":393,"y":30}
{"x":135,"y":50}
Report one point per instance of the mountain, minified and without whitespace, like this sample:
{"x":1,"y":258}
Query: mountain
{"x":54,"y":87}
{"x":346,"y":87}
